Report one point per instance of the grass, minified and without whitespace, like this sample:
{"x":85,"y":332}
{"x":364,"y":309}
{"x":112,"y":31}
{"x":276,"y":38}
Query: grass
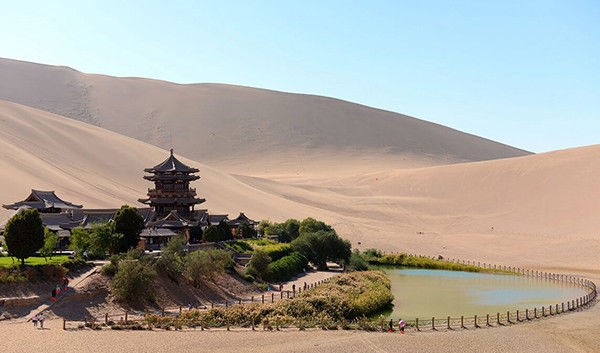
{"x":405,"y":260}
{"x":7,"y":261}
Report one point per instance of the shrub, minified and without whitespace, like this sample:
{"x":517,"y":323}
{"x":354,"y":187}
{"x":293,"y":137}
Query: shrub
{"x":240,"y":247}
{"x":50,"y":241}
{"x":221,"y":232}
{"x":287,"y":267}
{"x":133,"y":280}
{"x":277,"y":251}
{"x":357,"y":262}
{"x":206,"y":264}
{"x":259,"y":265}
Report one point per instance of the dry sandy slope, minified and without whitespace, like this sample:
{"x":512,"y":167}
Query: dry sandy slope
{"x":98,"y":168}
{"x":242,"y":129}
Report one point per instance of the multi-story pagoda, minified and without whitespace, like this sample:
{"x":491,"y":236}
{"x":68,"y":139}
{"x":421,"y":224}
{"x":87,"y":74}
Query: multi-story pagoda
{"x":172,"y":192}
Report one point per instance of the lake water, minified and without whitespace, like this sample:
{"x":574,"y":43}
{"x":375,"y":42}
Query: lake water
{"x":428,"y":293}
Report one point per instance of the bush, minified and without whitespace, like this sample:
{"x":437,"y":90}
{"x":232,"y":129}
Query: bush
{"x":50,"y":241}
{"x":240,"y":246}
{"x":133,"y":280}
{"x":357,"y":262}
{"x":259,"y":265}
{"x":206,"y":264}
{"x":287,"y":267}
{"x":130,"y":223}
{"x":221,"y":232}
{"x":277,"y":251}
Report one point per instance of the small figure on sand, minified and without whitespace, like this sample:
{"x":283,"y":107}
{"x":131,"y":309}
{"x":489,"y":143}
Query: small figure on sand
{"x":65,"y":284}
{"x":41,"y":319}
{"x":401,"y":325}
{"x":53,"y":294}
{"x":35,"y":320}
{"x":391,"y":325}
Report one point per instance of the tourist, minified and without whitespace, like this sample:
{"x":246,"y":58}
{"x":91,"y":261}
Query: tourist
{"x":57,"y":290}
{"x":65,"y":283}
{"x":401,"y":325}
{"x":281,"y":287}
{"x":53,"y":294}
{"x":391,"y":325}
{"x":85,"y":255}
{"x":41,"y":318}
{"x":35,"y":320}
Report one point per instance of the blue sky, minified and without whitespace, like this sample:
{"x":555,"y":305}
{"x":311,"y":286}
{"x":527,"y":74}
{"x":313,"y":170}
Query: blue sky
{"x":526,"y":73}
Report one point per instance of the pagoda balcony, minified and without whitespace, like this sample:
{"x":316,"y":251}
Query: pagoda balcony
{"x":191,"y":192}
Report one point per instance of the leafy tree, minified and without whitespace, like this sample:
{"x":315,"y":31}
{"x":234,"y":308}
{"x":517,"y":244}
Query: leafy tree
{"x":171,"y":260}
{"x":79,"y":241}
{"x":130,"y":223}
{"x":311,"y":225}
{"x":258,"y":266}
{"x":24,"y":234}
{"x":246,"y":231}
{"x":50,"y":241}
{"x":265,"y":223}
{"x":221,"y":232}
{"x":133,"y":280}
{"x":292,"y":227}
{"x":322,"y":246}
{"x":103,"y":240}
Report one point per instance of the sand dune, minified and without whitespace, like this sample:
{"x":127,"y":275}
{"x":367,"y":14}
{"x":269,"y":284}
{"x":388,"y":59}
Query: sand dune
{"x":243,"y":129}
{"x":531,"y":209}
{"x":98,"y":168}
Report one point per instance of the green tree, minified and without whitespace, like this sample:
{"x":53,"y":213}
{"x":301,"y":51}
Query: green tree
{"x":102,"y":240}
{"x":265,"y":223}
{"x":50,"y":241}
{"x":24,"y":234}
{"x":79,"y":241}
{"x":322,"y":246}
{"x":221,"y":232}
{"x":292,"y":227}
{"x":246,"y":231}
{"x":311,"y":225}
{"x":130,"y":223}
{"x":258,"y":266}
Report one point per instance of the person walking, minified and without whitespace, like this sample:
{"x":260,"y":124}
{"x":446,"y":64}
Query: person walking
{"x":401,"y":325}
{"x":53,"y":294}
{"x":35,"y":320}
{"x":391,"y":325}
{"x":41,"y":319}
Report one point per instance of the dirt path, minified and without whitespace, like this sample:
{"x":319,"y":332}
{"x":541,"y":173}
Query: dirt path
{"x":74,"y":283}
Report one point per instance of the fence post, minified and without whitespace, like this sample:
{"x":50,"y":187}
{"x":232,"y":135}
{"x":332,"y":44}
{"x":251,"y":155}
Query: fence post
{"x":263,"y":298}
{"x":253,"y":323}
{"x":252,"y":299}
{"x":498,"y":318}
{"x":508,"y":317}
{"x":487,"y":320}
{"x":475,"y":323}
{"x":433,"y":323}
{"x":64,"y":324}
{"x":417,"y":324}
{"x":462,"y":322}
{"x":272,"y":297}
{"x":212,"y":305}
{"x":106,"y":318}
{"x":126,"y":314}
{"x":518,"y":316}
{"x":449,"y":328}
{"x":543,"y":311}
{"x":563,"y":307}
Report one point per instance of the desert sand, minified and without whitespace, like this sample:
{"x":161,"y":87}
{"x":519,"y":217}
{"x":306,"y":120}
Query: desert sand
{"x":392,"y":182}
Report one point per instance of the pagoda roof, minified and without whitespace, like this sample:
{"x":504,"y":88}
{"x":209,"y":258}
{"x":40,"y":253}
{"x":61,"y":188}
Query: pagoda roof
{"x":214,"y":219}
{"x":241,"y":219}
{"x":172,"y":200}
{"x":171,"y":164}
{"x":43,"y":200}
{"x":173,"y":221}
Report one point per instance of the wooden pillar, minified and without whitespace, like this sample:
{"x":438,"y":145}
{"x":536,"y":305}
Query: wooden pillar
{"x":252,"y":299}
{"x":518,"y":316}
{"x":263,"y":298}
{"x":272,"y":297}
{"x":126,"y":314}
{"x":487,"y":320}
{"x":498,"y":318}
{"x":449,"y":328}
{"x":64,"y":324}
{"x":462,"y":322}
{"x":508,"y":317}
{"x":433,"y":323}
{"x":106,"y":318}
{"x":475,"y":322}
{"x":417,"y":324}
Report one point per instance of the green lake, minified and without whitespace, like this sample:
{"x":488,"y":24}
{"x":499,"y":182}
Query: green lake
{"x":428,"y":293}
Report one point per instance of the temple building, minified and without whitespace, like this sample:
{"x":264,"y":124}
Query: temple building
{"x":44,"y":202}
{"x":172,"y":190}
